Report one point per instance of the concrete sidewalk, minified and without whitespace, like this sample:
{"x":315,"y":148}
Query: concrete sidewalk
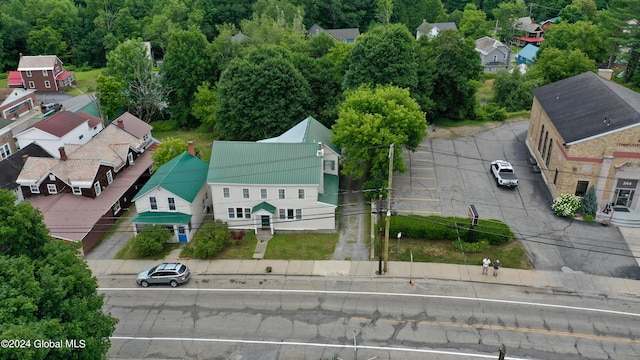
{"x":366,"y":270}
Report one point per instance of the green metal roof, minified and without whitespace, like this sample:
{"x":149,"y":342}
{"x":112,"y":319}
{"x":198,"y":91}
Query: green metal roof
{"x":308,"y":130}
{"x":240,"y":162}
{"x":161,"y":217}
{"x":183,"y":176}
{"x":91,"y":109}
{"x":264,"y":206}
{"x":330,"y":195}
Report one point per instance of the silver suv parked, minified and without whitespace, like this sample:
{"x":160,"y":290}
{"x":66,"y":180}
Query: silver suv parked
{"x":165,"y":273}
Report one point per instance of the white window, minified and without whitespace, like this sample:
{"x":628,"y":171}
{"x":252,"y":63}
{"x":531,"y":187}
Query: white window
{"x":239,"y":213}
{"x":245,"y":193}
{"x":263,"y":194}
{"x":32,"y":85}
{"x":290,"y":214}
{"x":116,"y":208}
{"x":109,"y":177}
{"x":76,"y":190}
{"x":29,"y":74}
{"x":97,"y":188}
{"x":52,"y":177}
{"x":34,"y":189}
{"x":172,"y":203}
{"x":45,"y":73}
{"x":130,"y":158}
{"x":5,"y":151}
{"x":329,"y":164}
{"x":301,"y":194}
{"x":281,"y":194}
{"x":52,"y":188}
{"x":47,"y":84}
{"x":226,"y":193}
{"x":153,"y":203}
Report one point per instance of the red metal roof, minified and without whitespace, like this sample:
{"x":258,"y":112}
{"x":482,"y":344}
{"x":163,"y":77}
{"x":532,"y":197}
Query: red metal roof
{"x":529,"y":39}
{"x":63,"y":75}
{"x":62,"y":122}
{"x":14,"y":78}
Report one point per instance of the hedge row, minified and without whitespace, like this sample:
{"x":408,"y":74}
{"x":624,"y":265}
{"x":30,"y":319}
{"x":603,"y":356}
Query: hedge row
{"x":449,"y":228}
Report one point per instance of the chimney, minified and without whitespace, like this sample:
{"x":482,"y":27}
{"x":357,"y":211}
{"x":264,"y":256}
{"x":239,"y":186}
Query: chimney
{"x":63,"y":154}
{"x":192,"y":149}
{"x":120,"y":123}
{"x":605,"y":73}
{"x":24,"y":158}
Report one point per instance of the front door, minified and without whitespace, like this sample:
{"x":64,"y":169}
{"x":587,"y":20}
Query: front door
{"x":266,"y":223}
{"x":624,"y":197}
{"x":182,"y":234}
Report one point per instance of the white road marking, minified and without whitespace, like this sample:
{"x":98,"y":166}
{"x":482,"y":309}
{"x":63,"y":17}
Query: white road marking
{"x":293,"y":343}
{"x":424,"y":296}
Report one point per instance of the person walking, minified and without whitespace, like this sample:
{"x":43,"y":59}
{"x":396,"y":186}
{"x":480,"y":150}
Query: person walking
{"x":485,"y":265}
{"x":496,"y":266}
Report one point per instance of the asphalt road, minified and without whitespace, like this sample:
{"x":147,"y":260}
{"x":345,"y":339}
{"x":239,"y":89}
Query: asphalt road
{"x":255,"y":318}
{"x":446,"y":175}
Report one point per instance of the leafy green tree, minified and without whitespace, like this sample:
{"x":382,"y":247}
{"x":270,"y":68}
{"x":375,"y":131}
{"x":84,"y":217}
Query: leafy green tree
{"x":260,"y":96}
{"x":590,"y":202}
{"x":474,"y":22}
{"x":186,"y":65}
{"x":47,"y":291}
{"x":204,"y":106}
{"x":507,"y":15}
{"x":211,"y":240}
{"x":554,"y":64}
{"x":453,"y":61}
{"x":513,"y":91}
{"x":580,"y":35}
{"x":151,"y":240}
{"x":412,"y":12}
{"x":13,"y":33}
{"x":370,"y":120}
{"x":110,"y":94}
{"x":384,"y":55}
{"x":579,"y":10}
{"x":125,"y":59}
{"x":167,"y":150}
{"x":46,"y":41}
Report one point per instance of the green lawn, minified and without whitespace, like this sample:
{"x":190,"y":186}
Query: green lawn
{"x":303,"y":246}
{"x":202,"y":141}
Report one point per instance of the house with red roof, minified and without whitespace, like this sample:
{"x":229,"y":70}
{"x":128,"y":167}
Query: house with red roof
{"x":63,"y":127}
{"x":83,"y":191}
{"x":530,"y":32}
{"x":15,"y":80}
{"x":45,"y":73}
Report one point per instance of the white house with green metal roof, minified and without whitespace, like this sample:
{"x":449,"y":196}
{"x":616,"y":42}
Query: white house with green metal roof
{"x":176,"y":197}
{"x":274,"y":185}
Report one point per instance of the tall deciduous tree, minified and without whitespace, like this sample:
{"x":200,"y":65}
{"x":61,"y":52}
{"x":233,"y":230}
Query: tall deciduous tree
{"x":204,"y":106}
{"x":260,"y":96}
{"x":454,"y":61}
{"x":110,"y":94}
{"x":167,"y":150}
{"x":186,"y":65}
{"x":46,"y":41}
{"x":474,"y":22}
{"x":507,"y":15}
{"x":384,"y":55}
{"x":370,"y":120}
{"x":619,"y":24}
{"x":580,"y":35}
{"x":47,"y":291}
{"x":554,"y":64}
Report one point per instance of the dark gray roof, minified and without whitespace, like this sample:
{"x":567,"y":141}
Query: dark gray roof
{"x":587,"y":105}
{"x":11,"y":167}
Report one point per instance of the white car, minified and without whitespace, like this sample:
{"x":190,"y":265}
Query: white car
{"x":503,"y":173}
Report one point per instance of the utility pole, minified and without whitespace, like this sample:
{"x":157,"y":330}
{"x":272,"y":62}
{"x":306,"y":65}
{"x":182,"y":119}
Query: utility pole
{"x":386,"y":229}
{"x":380,"y":231}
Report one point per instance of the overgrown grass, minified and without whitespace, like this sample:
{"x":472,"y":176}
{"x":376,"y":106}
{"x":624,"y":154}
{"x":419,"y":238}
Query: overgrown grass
{"x":242,"y":249}
{"x":484,"y":94}
{"x":85,"y":81}
{"x":202,"y":140}
{"x":303,"y":246}
{"x":511,"y":255}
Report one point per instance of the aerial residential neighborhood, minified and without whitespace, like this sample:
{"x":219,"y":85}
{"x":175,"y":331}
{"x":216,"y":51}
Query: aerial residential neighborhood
{"x":282,"y":179}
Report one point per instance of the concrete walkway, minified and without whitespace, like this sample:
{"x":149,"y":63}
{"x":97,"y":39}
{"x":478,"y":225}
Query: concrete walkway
{"x":352,"y":244}
{"x":581,"y":284}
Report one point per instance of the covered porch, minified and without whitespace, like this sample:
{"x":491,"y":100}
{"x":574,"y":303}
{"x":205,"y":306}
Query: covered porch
{"x":179,"y":223}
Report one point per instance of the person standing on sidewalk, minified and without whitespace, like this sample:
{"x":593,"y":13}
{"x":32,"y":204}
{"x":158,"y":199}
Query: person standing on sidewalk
{"x":496,"y":266}
{"x":485,"y":265}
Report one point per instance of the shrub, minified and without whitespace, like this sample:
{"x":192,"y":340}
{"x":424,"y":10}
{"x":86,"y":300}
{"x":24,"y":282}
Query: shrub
{"x":491,"y":112}
{"x":590,"y":202}
{"x":589,"y":218}
{"x":165,"y":125}
{"x":433,"y":227}
{"x":566,"y":205}
{"x":151,"y":240}
{"x":475,"y":247}
{"x":211,"y":240}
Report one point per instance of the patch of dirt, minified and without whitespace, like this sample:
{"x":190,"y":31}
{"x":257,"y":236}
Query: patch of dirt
{"x":466,"y":130}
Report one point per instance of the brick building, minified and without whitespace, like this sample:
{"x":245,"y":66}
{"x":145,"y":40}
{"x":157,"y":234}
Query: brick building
{"x":45,"y":73}
{"x":585,"y":131}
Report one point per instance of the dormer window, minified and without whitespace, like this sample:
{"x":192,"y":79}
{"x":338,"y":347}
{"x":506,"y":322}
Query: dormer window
{"x":45,"y":73}
{"x":34,"y":189}
{"x":52,"y":189}
{"x":29,"y":73}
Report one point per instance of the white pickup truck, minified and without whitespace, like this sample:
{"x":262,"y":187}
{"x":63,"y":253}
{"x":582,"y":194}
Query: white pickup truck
{"x":504,"y":174}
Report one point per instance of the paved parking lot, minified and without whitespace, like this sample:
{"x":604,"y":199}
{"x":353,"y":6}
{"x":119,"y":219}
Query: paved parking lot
{"x":446,"y":175}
